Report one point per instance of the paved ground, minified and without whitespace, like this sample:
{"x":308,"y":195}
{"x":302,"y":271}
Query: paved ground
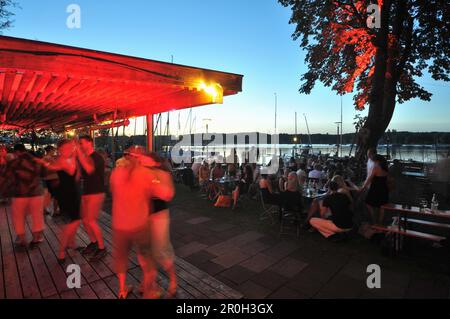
{"x":37,"y":274}
{"x":249,"y":256}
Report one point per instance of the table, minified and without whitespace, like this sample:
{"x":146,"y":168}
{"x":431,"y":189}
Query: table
{"x":414,"y":174}
{"x":220,"y":186}
{"x":313,"y":196}
{"x":416,"y":210}
{"x":402,"y":215}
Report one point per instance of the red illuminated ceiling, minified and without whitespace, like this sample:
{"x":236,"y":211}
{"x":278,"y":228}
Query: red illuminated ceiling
{"x":44,"y":85}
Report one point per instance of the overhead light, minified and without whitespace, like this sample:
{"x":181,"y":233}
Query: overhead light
{"x":214,"y":90}
{"x":70,"y":133}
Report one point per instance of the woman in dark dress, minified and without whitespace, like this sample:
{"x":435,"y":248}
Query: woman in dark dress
{"x":378,"y":194}
{"x":67,"y":194}
{"x":162,"y":248}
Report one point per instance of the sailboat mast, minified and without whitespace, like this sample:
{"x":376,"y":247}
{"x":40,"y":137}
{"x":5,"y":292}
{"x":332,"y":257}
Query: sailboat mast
{"x":295,"y":124}
{"x":307,"y":127}
{"x":276,"y":111}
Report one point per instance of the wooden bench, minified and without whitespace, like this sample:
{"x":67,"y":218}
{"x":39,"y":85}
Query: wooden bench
{"x":36,"y":273}
{"x":409,"y":233}
{"x":428,"y":223}
{"x":403,"y":215}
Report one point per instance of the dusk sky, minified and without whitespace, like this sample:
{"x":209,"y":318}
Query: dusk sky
{"x":249,"y":37}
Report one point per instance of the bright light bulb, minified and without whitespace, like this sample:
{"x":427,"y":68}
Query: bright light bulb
{"x":213,"y":90}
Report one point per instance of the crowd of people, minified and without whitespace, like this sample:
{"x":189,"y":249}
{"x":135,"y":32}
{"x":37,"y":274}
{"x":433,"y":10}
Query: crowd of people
{"x":332,"y":210}
{"x":70,"y":182}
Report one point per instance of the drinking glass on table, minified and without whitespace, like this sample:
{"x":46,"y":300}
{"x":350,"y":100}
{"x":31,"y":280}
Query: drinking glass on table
{"x":423,"y":205}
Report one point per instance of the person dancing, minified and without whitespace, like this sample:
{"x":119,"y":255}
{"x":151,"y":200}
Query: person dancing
{"x":93,"y":174}
{"x":162,"y":248}
{"x":132,"y":188}
{"x":67,"y":194}
{"x":28,"y":195}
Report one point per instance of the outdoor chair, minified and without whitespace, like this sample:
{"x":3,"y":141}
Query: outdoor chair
{"x":204,"y":188}
{"x":253,"y":191}
{"x":268,"y":210}
{"x":214,"y":191}
{"x":290,"y":219}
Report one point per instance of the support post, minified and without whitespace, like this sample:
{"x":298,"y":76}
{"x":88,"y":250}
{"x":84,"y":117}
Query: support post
{"x":113,"y":146}
{"x":92,"y":135}
{"x":149,"y":119}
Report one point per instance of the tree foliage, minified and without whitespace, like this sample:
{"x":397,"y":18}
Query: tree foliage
{"x":341,"y":48}
{"x":6,"y":14}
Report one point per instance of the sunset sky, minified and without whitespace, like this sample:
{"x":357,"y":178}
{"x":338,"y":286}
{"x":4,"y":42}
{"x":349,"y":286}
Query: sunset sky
{"x":249,"y":37}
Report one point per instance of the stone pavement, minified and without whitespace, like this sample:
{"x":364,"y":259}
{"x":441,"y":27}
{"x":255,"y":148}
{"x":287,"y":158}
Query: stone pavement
{"x":249,"y":256}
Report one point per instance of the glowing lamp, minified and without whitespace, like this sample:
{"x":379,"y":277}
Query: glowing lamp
{"x":70,"y":133}
{"x":213,"y":90}
{"x":295,"y":139}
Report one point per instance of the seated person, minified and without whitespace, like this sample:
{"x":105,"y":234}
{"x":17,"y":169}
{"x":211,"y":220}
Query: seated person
{"x":302,"y":170}
{"x":292,"y":195}
{"x":232,"y":170}
{"x":301,"y":174}
{"x":256,"y":172}
{"x":341,"y":218}
{"x":309,"y":164}
{"x":267,"y":193}
{"x":344,"y":188}
{"x":317,"y":173}
{"x":203,"y":174}
{"x":196,"y":168}
{"x":283,"y":179}
{"x":292,"y":164}
{"x":246,"y":180}
{"x":314,"y":208}
{"x":217,"y":172}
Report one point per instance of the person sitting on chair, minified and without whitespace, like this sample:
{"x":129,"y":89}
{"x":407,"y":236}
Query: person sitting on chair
{"x":203,"y":174}
{"x":267,"y":193}
{"x":317,"y":173}
{"x":292,"y":193}
{"x":283,"y":180}
{"x":217,"y":172}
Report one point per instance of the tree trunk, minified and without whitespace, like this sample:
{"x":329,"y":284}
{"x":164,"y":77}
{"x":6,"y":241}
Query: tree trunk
{"x":382,"y":95}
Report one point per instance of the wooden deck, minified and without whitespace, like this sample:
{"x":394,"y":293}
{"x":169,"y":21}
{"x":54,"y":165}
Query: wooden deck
{"x":36,"y":274}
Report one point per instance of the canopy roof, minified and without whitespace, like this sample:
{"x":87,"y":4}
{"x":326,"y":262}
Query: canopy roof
{"x":45,"y":85}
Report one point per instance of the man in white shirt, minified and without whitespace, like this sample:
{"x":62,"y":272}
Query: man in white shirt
{"x":301,"y":173}
{"x":196,"y":168}
{"x":317,"y":172}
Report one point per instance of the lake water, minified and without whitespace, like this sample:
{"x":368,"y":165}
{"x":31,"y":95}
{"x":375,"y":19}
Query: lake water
{"x":420,"y":153}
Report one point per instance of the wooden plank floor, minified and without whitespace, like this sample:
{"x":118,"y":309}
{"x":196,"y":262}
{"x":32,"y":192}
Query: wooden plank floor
{"x":36,"y":274}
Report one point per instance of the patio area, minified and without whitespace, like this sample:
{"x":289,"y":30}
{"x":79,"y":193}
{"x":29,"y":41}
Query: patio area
{"x":36,"y":274}
{"x":224,"y":254}
{"x":248,"y":255}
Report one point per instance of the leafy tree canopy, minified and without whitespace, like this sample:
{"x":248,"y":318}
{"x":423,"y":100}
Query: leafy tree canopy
{"x":5,"y":14}
{"x":341,"y":47}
